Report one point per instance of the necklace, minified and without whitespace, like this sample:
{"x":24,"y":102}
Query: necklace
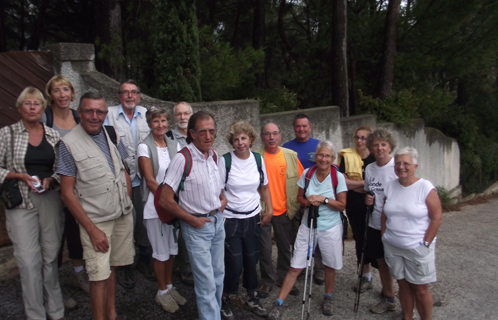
{"x":157,"y":144}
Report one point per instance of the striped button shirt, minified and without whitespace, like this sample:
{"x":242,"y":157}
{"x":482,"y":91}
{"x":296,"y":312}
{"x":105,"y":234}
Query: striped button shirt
{"x":16,"y":163}
{"x":202,"y":186}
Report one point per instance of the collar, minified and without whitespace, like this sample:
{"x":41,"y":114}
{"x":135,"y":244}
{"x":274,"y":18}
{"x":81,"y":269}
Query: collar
{"x":136,"y":113}
{"x":197,"y":153}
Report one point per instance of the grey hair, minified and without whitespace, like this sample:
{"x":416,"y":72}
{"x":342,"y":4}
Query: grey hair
{"x":185,"y":103}
{"x":409,"y":151}
{"x":92,"y":95}
{"x":263,"y":127}
{"x":326,"y":144}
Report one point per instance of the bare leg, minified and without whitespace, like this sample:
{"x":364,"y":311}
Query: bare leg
{"x":289,"y":281}
{"x":98,"y":299}
{"x":168,"y":271}
{"x":367,"y":268}
{"x":423,"y":298}
{"x":385,"y":278}
{"x":160,"y":271}
{"x":77,"y":262}
{"x":111,"y":295}
{"x":329,"y":279}
{"x":406,"y":299}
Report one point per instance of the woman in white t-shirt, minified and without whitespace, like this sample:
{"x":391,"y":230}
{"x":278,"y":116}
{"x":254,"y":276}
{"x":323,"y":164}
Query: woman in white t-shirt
{"x":411,"y":218}
{"x":243,"y":173}
{"x":154,"y":155}
{"x":381,"y":143}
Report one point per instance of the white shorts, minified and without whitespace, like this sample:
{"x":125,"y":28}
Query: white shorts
{"x":416,"y":265}
{"x":330,"y":242}
{"x":161,"y":239}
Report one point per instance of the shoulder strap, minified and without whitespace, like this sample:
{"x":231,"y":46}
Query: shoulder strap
{"x":308,"y":177}
{"x":187,"y":168}
{"x":169,"y":134}
{"x":75,"y":116}
{"x":50,"y":117}
{"x":112,"y":134}
{"x":257,"y":156}
{"x":228,"y":165}
{"x":333,"y":177}
{"x":215,"y":156}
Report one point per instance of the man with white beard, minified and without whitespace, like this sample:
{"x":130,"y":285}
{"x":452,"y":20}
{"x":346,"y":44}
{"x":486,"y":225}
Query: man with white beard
{"x":182,"y":112}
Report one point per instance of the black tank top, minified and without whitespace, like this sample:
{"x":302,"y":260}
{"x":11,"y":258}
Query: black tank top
{"x":39,"y":160}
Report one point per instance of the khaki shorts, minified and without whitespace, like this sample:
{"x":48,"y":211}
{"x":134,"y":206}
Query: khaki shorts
{"x":121,"y":250}
{"x":416,"y":265}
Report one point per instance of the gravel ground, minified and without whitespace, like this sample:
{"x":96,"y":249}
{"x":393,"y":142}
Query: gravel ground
{"x":466,"y":258}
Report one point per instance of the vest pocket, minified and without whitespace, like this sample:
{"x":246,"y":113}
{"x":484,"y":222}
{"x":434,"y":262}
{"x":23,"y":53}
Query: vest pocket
{"x":98,"y":200}
{"x":89,"y":166}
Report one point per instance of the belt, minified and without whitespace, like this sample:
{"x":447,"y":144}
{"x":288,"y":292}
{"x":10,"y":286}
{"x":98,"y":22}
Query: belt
{"x":205,"y":215}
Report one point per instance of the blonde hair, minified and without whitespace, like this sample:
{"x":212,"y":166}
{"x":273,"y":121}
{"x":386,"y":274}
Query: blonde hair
{"x":58,"y":79}
{"x":33,"y":93}
{"x":241,"y":126}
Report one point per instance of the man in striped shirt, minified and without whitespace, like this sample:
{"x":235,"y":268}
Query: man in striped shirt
{"x":199,"y":209}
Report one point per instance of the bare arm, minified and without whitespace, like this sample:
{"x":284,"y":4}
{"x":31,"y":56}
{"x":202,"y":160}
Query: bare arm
{"x":265,"y":194}
{"x":435,"y":215}
{"x":301,"y":198}
{"x":167,"y":201}
{"x":355,"y":184}
{"x":148,"y":173}
{"x":24,"y":177}
{"x":97,"y":236}
{"x":338,"y":205}
{"x":128,"y":183}
{"x":223,"y":201}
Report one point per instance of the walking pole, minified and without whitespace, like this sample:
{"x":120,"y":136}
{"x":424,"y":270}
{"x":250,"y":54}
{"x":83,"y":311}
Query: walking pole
{"x":312,"y":265}
{"x":307,"y":265}
{"x":364,"y":246}
{"x":312,"y":215}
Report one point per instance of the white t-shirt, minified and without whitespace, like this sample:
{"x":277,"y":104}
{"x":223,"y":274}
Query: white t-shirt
{"x":242,"y":186}
{"x":375,"y":180}
{"x":327,"y":217}
{"x":164,"y":161}
{"x":407,"y":213}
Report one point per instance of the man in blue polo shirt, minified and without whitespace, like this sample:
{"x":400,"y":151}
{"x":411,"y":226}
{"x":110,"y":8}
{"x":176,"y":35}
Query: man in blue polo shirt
{"x":305,"y":146}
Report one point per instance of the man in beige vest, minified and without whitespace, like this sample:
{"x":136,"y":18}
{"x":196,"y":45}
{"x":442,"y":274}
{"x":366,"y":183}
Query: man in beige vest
{"x":96,"y":189}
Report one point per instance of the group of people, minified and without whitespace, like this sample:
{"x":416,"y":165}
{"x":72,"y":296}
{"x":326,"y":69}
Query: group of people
{"x":101,"y":168}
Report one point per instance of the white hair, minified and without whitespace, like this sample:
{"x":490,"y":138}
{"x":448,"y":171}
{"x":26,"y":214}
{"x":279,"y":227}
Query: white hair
{"x":409,"y":151}
{"x":326,"y":144}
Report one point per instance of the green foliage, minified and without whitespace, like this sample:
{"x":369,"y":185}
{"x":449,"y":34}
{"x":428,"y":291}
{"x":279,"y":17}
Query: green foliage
{"x":277,"y":100}
{"x":444,"y":197}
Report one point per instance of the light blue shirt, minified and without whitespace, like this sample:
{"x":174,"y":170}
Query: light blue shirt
{"x":327,"y":218}
{"x":133,"y":126}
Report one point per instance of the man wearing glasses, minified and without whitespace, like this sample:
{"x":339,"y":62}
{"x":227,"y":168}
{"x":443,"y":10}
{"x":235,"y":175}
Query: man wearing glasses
{"x":305,"y":146}
{"x":199,"y":209}
{"x":283,"y":169}
{"x":96,"y":189}
{"x":130,"y":123}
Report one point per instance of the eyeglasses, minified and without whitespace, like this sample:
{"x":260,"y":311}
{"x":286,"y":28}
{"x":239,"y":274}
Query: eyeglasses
{"x":326,"y":156}
{"x":132,"y":92}
{"x":362,"y":138}
{"x":203,"y":132}
{"x":269,"y":134}
{"x":29,"y":104}
{"x":403,"y":164}
{"x":185,"y":114}
{"x":90,"y":112}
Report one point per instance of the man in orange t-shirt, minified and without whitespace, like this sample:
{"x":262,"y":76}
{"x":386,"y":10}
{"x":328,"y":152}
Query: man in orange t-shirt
{"x":283,"y":169}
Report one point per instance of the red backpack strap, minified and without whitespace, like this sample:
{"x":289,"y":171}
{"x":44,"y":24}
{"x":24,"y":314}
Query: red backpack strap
{"x":187,"y":168}
{"x":307,"y":178}
{"x":333,"y":177}
{"x":215,"y":156}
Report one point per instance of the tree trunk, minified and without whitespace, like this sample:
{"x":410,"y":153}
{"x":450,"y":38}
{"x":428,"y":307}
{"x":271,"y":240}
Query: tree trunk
{"x":258,"y":35}
{"x":340,"y":94}
{"x":36,"y":34}
{"x":389,"y":50}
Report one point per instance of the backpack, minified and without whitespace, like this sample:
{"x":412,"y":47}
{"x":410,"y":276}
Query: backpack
{"x":228,"y":165}
{"x":163,"y":214}
{"x":333,"y":176}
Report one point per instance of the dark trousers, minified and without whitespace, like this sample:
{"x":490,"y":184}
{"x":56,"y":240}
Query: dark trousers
{"x":71,"y":234}
{"x":242,"y":243}
{"x":139,"y":230}
{"x":356,"y":216}
{"x":282,"y":232}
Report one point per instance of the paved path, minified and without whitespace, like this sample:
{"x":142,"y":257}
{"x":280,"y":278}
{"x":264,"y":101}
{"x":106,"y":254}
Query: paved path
{"x":466,"y":260}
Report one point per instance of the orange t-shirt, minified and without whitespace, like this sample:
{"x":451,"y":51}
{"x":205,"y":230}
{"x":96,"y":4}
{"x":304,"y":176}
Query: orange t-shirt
{"x":276,"y":168}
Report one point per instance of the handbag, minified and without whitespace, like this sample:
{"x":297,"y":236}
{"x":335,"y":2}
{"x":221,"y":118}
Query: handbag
{"x":9,"y":191}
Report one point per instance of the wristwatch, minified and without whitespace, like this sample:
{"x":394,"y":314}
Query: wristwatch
{"x":326,"y":201}
{"x":427,"y":244}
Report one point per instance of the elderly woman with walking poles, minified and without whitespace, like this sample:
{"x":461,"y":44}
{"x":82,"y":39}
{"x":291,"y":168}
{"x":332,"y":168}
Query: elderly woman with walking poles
{"x":244,"y":174}
{"x":321,"y":186}
{"x":411,"y":218}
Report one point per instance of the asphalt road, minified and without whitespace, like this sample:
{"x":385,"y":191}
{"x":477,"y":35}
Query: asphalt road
{"x":467,"y":287}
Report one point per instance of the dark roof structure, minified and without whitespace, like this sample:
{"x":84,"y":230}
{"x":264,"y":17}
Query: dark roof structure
{"x":17,"y":71}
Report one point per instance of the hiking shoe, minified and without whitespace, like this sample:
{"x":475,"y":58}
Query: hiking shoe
{"x":364,"y":285}
{"x":167,"y":302}
{"x":80,"y":280}
{"x":294,"y":291}
{"x":145,"y":268}
{"x":383,"y":306}
{"x":69,"y":302}
{"x":187,"y":278}
{"x":177,"y":297}
{"x":226,"y":309}
{"x":126,"y":277}
{"x":327,"y":306}
{"x":264,"y":291}
{"x":319,"y":277}
{"x":255,"y":306}
{"x":399,"y":316}
{"x":276,"y":312}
